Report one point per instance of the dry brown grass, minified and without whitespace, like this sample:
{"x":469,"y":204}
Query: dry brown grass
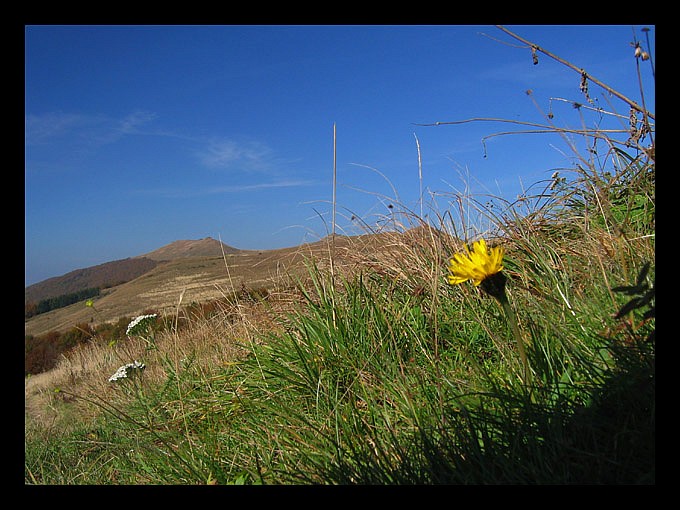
{"x":80,"y":379}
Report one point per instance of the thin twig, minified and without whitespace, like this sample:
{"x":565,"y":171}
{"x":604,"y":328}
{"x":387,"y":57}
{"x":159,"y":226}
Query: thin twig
{"x":651,"y":59}
{"x":601,"y":111}
{"x":582,"y":72}
{"x":544,"y":129}
{"x":522,"y":123}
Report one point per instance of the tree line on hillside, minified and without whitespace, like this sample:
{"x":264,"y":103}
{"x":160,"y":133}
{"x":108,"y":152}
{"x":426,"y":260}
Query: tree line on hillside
{"x":109,"y":274}
{"x":45,"y":305}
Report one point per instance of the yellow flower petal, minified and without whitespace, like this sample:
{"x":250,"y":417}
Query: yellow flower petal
{"x":476,"y":264}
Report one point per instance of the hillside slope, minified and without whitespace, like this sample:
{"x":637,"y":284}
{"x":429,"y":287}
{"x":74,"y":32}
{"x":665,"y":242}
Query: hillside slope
{"x":187,"y":279}
{"x":206,"y":247}
{"x":103,"y":275}
{"x":117,"y":272}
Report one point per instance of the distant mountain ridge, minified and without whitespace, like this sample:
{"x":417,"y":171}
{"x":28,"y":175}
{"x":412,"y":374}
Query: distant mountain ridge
{"x":121,"y":271}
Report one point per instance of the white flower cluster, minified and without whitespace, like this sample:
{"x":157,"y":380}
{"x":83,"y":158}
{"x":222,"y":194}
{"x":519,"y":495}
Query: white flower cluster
{"x":122,"y":372}
{"x":136,"y":321}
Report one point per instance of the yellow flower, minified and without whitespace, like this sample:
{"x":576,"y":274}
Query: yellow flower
{"x":476,"y":265}
{"x":483,"y":266}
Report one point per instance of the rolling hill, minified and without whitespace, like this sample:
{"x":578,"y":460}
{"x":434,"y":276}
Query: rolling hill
{"x":197,"y":271}
{"x":103,"y":275}
{"x":114,"y":273}
{"x":193,"y":271}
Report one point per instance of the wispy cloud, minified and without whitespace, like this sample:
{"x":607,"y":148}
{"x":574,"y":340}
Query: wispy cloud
{"x":249,"y":156}
{"x":78,"y":132}
{"x":130,"y":123}
{"x":239,"y":188}
{"x":235,"y":188}
{"x":71,"y":137}
{"x":54,"y":126}
{"x":81,"y":130}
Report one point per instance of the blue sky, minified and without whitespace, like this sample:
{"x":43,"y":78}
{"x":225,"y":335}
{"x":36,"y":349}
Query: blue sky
{"x":137,"y":136}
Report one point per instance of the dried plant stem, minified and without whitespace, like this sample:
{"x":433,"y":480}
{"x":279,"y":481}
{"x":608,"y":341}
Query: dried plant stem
{"x":334,"y":181}
{"x":582,"y":72}
{"x":420,"y":175}
{"x":332,"y":257}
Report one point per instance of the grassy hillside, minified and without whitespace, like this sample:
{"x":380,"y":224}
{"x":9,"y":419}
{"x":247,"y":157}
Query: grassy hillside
{"x":103,"y":276}
{"x":199,"y":279}
{"x":110,"y":274}
{"x":185,"y":248}
{"x":380,"y":364}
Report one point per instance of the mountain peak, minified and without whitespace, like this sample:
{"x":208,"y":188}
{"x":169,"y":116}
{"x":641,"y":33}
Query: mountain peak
{"x":206,"y":247}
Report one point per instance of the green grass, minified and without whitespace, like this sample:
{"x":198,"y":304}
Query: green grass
{"x":371,"y":384}
{"x":386,"y":374}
